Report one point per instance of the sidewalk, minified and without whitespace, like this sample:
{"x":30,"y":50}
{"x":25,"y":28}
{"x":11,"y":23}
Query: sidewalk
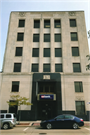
{"x":37,"y":123}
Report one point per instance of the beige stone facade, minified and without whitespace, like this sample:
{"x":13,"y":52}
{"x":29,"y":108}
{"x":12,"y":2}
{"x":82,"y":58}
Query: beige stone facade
{"x":25,"y":77}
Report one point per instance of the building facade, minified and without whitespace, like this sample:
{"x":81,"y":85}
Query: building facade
{"x":45,"y":61}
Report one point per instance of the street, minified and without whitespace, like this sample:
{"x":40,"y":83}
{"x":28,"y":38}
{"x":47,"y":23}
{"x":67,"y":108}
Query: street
{"x":39,"y":131}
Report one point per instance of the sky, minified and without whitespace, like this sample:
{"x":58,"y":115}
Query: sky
{"x":6,"y":6}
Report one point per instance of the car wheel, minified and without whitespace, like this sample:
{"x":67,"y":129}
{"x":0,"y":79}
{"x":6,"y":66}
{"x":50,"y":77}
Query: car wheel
{"x":6,"y":126}
{"x":75,"y":126}
{"x":49,"y":126}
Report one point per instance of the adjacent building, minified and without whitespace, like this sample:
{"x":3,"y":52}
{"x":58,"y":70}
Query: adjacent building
{"x":45,"y":61}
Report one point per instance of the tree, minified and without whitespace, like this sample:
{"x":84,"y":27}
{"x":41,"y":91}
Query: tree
{"x":17,"y":100}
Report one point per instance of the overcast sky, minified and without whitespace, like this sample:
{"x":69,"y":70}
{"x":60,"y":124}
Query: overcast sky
{"x":6,"y":6}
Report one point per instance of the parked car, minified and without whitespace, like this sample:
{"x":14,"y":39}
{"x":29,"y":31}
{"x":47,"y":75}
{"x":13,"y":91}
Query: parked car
{"x":63,"y":121}
{"x":7,"y":120}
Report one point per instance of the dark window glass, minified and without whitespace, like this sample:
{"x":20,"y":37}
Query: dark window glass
{"x":20,"y":36}
{"x":68,"y":117}
{"x":35,"y":52}
{"x":21,"y":23}
{"x":57,"y":24}
{"x":46,"y":67}
{"x":34,"y":67}
{"x":46,"y":52}
{"x":76,"y":67}
{"x":60,"y":117}
{"x":72,"y":22}
{"x":8,"y":116}
{"x":18,"y":51}
{"x":36,"y":23}
{"x":17,"y":67}
{"x":57,"y":37}
{"x":46,"y":23}
{"x":35,"y":37}
{"x":46,"y":37}
{"x":1,"y":116}
{"x":15,"y":86}
{"x":80,"y":107}
{"x":58,"y":67}
{"x":75,"y":51}
{"x":78,"y":87}
{"x":58,"y":52}
{"x":74,"y":36}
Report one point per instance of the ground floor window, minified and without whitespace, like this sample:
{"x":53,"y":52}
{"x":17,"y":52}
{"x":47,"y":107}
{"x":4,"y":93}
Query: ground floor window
{"x":80,"y":107}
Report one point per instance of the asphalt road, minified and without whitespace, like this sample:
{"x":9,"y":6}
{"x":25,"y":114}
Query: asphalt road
{"x":39,"y":131}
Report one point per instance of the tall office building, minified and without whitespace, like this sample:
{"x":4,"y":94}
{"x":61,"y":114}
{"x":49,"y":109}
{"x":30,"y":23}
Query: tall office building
{"x":45,"y":61}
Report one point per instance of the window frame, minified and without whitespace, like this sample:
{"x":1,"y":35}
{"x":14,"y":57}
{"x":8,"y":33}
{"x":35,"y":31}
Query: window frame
{"x":56,"y":69}
{"x":33,"y":69}
{"x":37,"y":26}
{"x":79,"y":70}
{"x":45,"y":54}
{"x":13,"y":89}
{"x":17,"y":51}
{"x":19,"y":70}
{"x":36,"y":39}
{"x":56,"y":39}
{"x":73,"y":25}
{"x":55,"y":23}
{"x":46,"y":23}
{"x":74,"y":38}
{"x":44,"y":69}
{"x":58,"y":54}
{"x":34,"y":53}
{"x":21,"y":25}
{"x":47,"y":39}
{"x":20,"y":37}
{"x":80,"y":107}
{"x":80,"y":88}
{"x":77,"y":51}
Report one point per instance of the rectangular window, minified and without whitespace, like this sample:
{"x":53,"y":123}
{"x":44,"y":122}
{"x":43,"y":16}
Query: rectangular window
{"x":46,"y":23}
{"x":57,"y":37}
{"x":72,"y":22}
{"x":35,"y":37}
{"x":35,"y":52}
{"x":78,"y":87}
{"x":46,"y":52}
{"x":21,"y":23}
{"x":46,"y":67}
{"x":58,"y":67}
{"x":58,"y":52}
{"x":57,"y":24}
{"x":15,"y":86}
{"x":18,"y":51}
{"x":17,"y":67}
{"x":36,"y":23}
{"x":20,"y":36}
{"x":74,"y":36}
{"x":80,"y":107}
{"x":75,"y":51}
{"x":76,"y":67}
{"x":46,"y":37}
{"x":35,"y":67}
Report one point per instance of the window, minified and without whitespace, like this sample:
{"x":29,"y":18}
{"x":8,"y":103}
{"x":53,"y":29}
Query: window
{"x":57,"y":24}
{"x":36,"y":23}
{"x":58,"y":52}
{"x":72,"y":22}
{"x":74,"y":36}
{"x":46,"y":37}
{"x":46,"y":67}
{"x":46,"y":23}
{"x":76,"y":67}
{"x":21,"y":23}
{"x":20,"y":36}
{"x":68,"y":117}
{"x":1,"y":115}
{"x":8,"y":115}
{"x":46,"y":52}
{"x":80,"y":107}
{"x":17,"y":67}
{"x":60,"y":117}
{"x":18,"y":51}
{"x":35,"y":37}
{"x":78,"y":86}
{"x":35,"y":52}
{"x":15,"y":86}
{"x":75,"y":51}
{"x":34,"y":67}
{"x":57,"y":37}
{"x":58,"y":67}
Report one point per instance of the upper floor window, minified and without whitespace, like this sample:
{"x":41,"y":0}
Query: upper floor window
{"x":58,"y":67}
{"x":46,"y":52}
{"x":75,"y":51}
{"x":78,"y":87}
{"x":35,"y":67}
{"x":72,"y":22}
{"x":57,"y":37}
{"x":58,"y":52}
{"x":18,"y":51}
{"x":15,"y":86}
{"x":35,"y":37}
{"x":46,"y":23}
{"x":21,"y":23}
{"x":35,"y":52}
{"x":17,"y":67}
{"x":46,"y":37}
{"x":20,"y":36}
{"x":57,"y":24}
{"x":46,"y":67}
{"x":76,"y":67}
{"x":36,"y":23}
{"x":74,"y":36}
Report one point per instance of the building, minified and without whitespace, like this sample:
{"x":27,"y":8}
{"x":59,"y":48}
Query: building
{"x":45,"y":61}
